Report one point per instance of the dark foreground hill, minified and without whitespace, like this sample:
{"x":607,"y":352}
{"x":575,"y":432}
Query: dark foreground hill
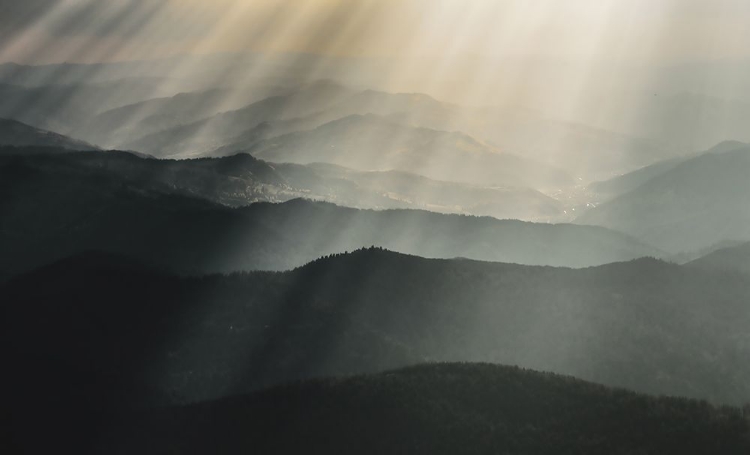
{"x":168,"y":213}
{"x":96,"y":329}
{"x":438,"y":409}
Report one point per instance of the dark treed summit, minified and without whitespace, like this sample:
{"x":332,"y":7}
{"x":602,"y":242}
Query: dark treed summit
{"x":188,"y":339}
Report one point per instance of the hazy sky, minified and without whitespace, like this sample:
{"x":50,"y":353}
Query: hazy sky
{"x":557,"y":54}
{"x":35,"y":31}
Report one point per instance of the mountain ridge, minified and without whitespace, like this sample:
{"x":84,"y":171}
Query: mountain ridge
{"x":699,"y":203}
{"x":56,"y":210}
{"x":370,"y":142}
{"x":18,"y":134}
{"x":442,"y":408}
{"x":632,"y":180}
{"x":735,"y":259}
{"x":372,"y":310}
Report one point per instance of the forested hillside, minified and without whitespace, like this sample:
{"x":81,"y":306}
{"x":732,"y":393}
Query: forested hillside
{"x":439,"y":409}
{"x":173,"y":213}
{"x":126,"y":333}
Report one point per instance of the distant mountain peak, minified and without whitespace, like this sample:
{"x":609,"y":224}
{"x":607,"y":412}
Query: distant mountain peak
{"x":325,"y":83}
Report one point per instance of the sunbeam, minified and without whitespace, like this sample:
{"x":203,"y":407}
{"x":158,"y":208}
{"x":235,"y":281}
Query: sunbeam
{"x":357,"y":226}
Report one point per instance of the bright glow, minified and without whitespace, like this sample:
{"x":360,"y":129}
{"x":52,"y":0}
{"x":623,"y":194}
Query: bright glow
{"x":595,"y":62}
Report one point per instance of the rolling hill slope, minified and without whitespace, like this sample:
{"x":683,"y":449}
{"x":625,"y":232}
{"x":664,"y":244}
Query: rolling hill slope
{"x":697,"y":204}
{"x":130,"y":336}
{"x":122,"y":125}
{"x":628,"y":182}
{"x":585,"y":152}
{"x":197,"y":138}
{"x":52,"y":211}
{"x":734,"y":259}
{"x":241,"y":180}
{"x":17,"y":134}
{"x":370,"y":142}
{"x":440,"y":409}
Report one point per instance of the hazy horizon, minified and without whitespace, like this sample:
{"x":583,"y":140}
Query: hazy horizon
{"x":467,"y":52}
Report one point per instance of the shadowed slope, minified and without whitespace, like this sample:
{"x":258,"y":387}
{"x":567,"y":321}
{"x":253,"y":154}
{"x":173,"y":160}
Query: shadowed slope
{"x":440,"y":409}
{"x":645,"y":325}
{"x":17,"y":134}
{"x":56,"y":207}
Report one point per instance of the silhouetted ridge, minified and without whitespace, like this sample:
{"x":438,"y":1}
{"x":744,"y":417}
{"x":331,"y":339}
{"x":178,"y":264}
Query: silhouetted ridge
{"x":16,"y":134}
{"x":241,"y":180}
{"x":643,"y":324}
{"x":182,"y":215}
{"x":440,"y":409}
